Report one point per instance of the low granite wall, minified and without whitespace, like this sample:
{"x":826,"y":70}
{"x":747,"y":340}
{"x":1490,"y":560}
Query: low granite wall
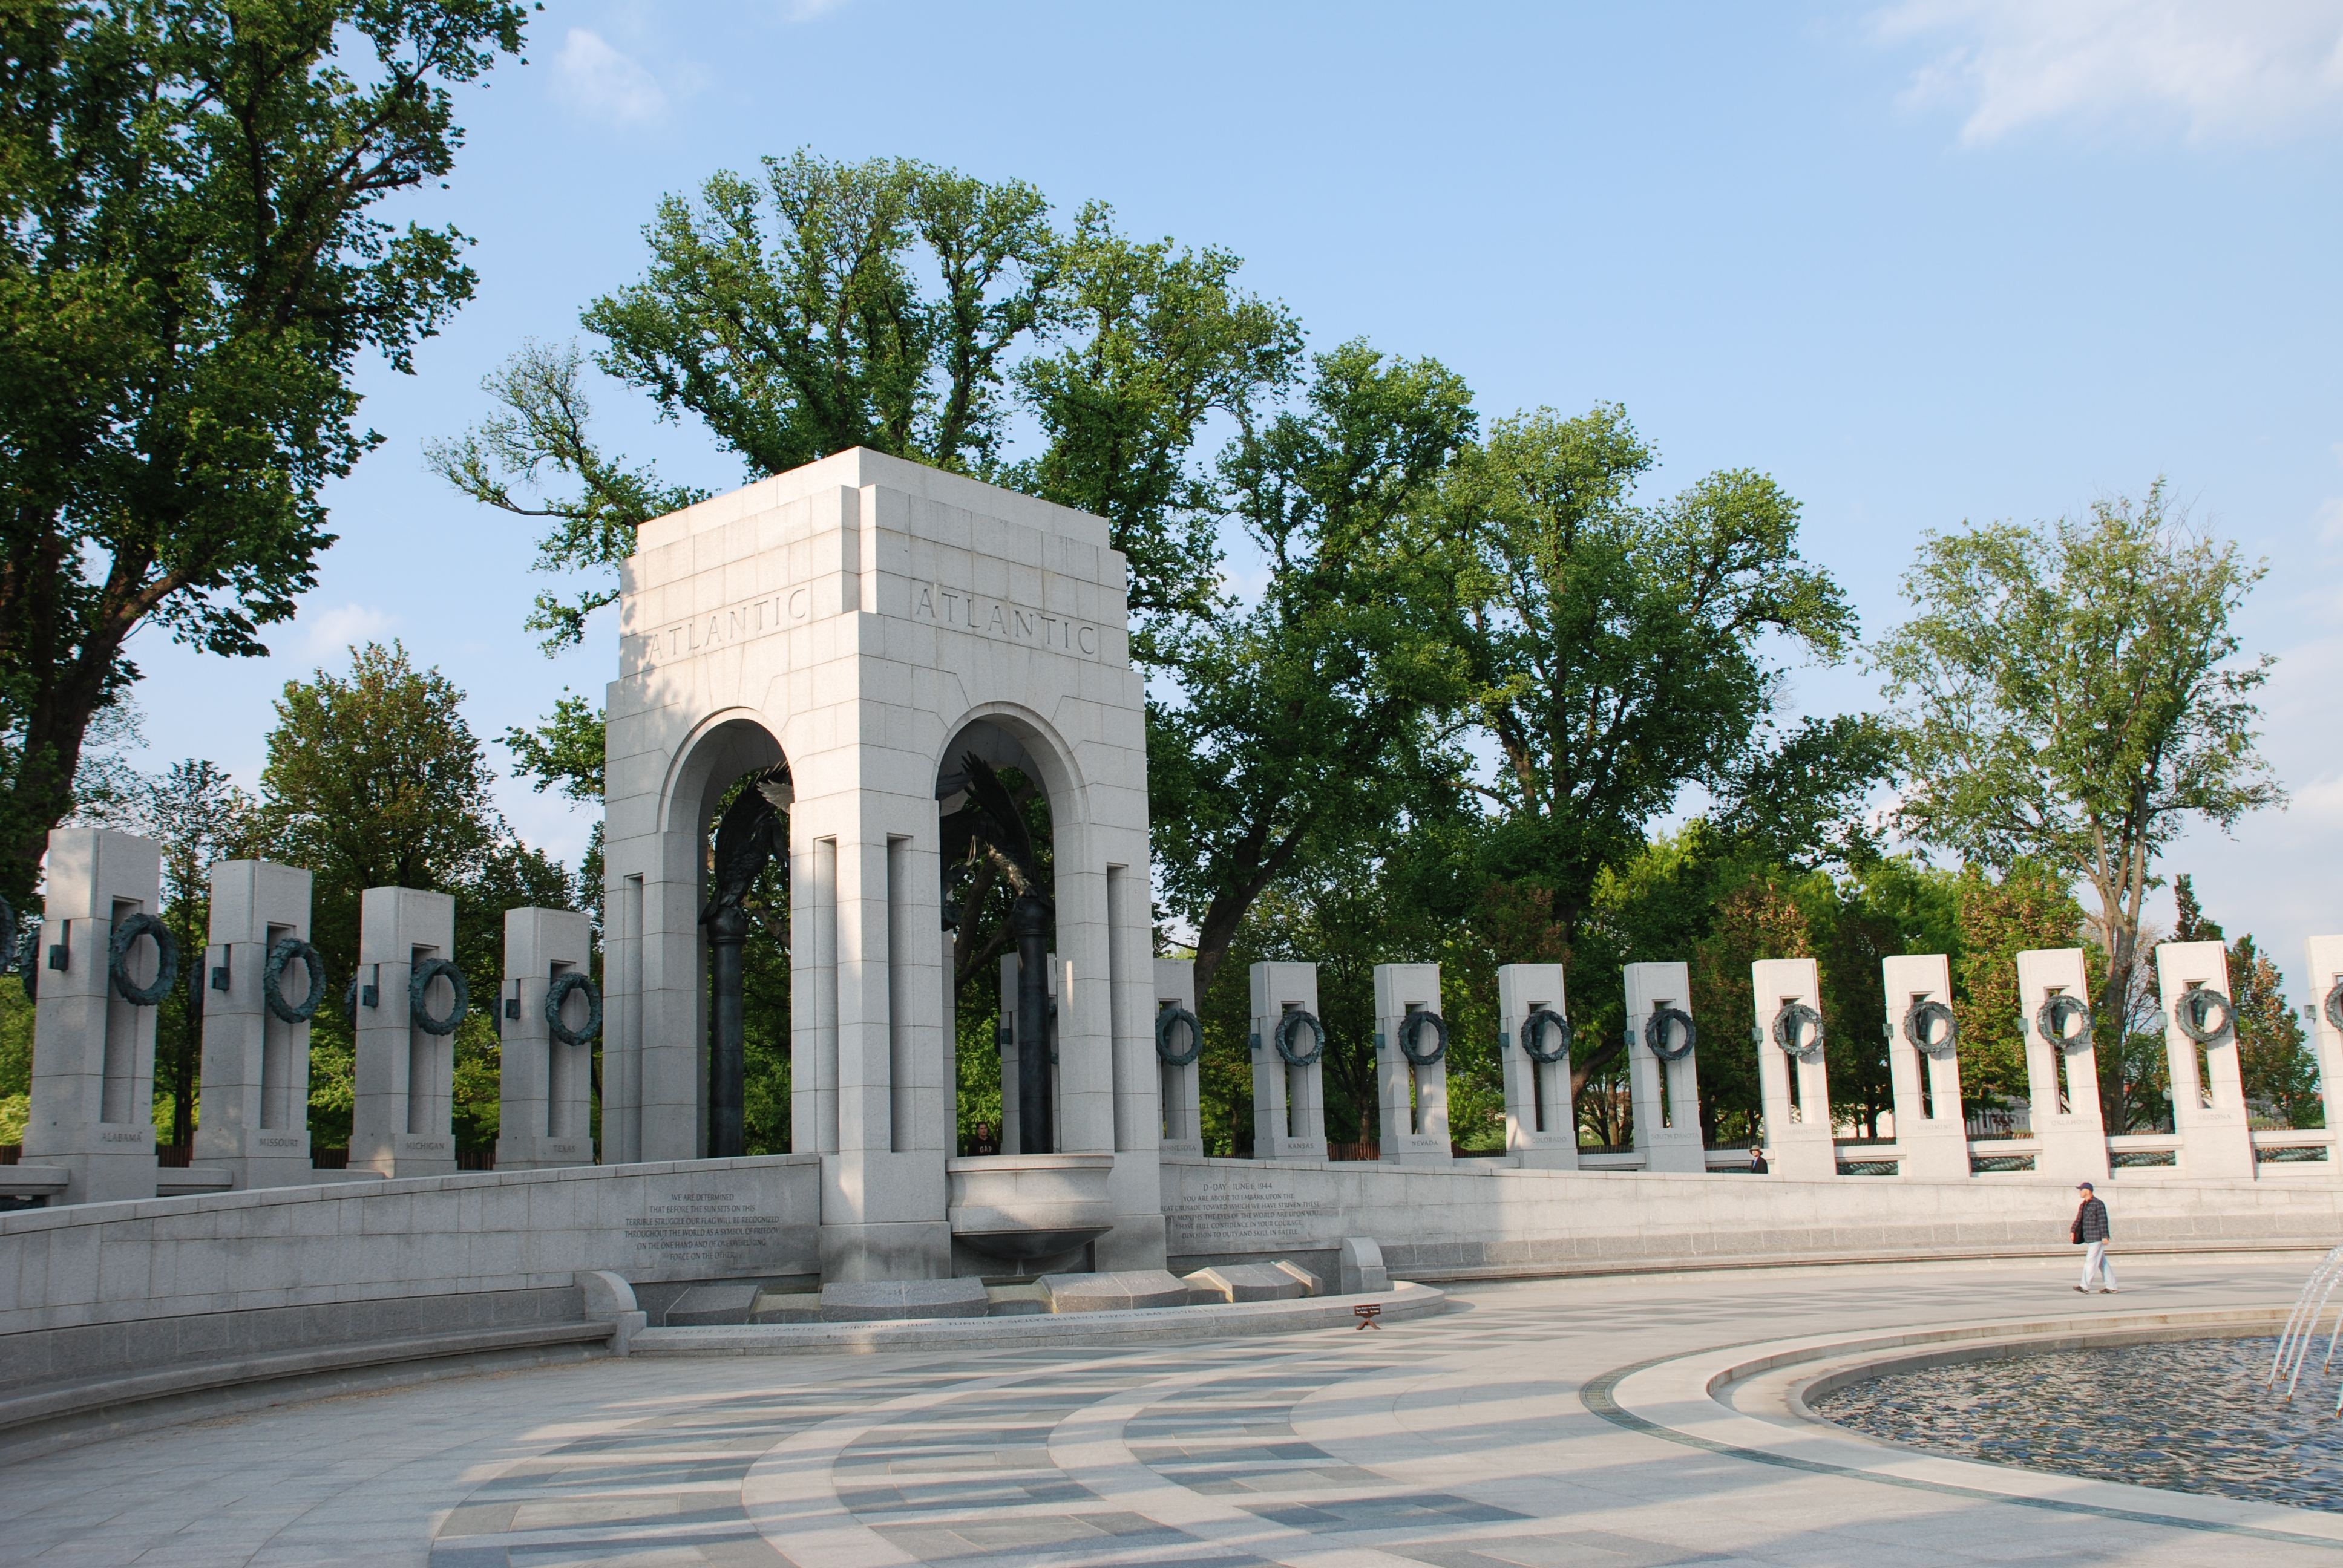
{"x":432,"y":1237}
{"x":1480,"y":1218}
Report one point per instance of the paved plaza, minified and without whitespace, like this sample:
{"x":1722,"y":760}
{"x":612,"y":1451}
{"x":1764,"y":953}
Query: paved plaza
{"x":1496,"y":1434}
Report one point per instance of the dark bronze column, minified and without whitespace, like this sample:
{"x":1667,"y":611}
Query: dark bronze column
{"x":727,"y":928}
{"x":1029,"y":919}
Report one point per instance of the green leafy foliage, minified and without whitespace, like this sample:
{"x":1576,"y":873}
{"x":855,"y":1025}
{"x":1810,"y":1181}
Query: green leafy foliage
{"x":1613,"y":650}
{"x":2072,"y":694}
{"x":793,"y":316}
{"x":1301,"y":719}
{"x":1153,"y":341}
{"x":2281,"y":1075}
{"x":2030,"y":908}
{"x":375,"y":779}
{"x":539,"y":432}
{"x":191,"y":263}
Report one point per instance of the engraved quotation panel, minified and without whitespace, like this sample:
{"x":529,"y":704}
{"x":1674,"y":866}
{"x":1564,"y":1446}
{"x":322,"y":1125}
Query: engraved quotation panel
{"x":710,"y":1233}
{"x":1242,"y":1215}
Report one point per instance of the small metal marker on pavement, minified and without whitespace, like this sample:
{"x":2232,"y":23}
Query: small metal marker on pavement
{"x":1367,"y":1315}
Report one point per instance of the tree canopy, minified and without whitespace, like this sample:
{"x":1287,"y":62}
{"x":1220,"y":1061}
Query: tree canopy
{"x":2072,"y":693}
{"x":1421,"y":684}
{"x":1613,"y":650}
{"x":191,"y":263}
{"x":375,"y":779}
{"x":792,"y":313}
{"x":1303,"y":717}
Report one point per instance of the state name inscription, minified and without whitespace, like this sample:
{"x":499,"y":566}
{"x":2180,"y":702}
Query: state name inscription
{"x":953,"y":607}
{"x":999,"y":618}
{"x":689,"y":1231}
{"x":1241,"y":1214}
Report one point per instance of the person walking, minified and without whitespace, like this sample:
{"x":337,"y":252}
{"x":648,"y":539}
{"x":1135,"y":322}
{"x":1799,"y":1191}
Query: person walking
{"x":2091,"y":1230}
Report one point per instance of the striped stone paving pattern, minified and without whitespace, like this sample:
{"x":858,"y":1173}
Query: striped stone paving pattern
{"x":1176,"y":1458}
{"x":1455,"y":1442}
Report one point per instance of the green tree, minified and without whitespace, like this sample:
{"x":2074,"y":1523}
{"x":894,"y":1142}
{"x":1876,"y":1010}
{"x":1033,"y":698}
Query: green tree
{"x":508,"y":875}
{"x":835,"y":305}
{"x":1615,"y":651}
{"x":190,"y":266}
{"x":539,"y":433}
{"x":1151,"y":342}
{"x":2072,"y":694}
{"x":375,"y":779}
{"x":1302,"y":718}
{"x":2028,"y":907}
{"x":1758,"y":920}
{"x":2273,"y":1050}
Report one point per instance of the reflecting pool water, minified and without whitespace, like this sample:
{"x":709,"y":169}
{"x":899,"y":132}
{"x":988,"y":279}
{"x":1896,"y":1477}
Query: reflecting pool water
{"x":2191,"y":1415}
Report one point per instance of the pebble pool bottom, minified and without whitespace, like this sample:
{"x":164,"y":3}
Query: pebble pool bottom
{"x":2189,"y":1416}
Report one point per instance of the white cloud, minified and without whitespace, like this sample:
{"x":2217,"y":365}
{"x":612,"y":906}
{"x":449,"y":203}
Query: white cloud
{"x":596,"y":79}
{"x":2218,"y":66}
{"x":2330,"y":521}
{"x":337,"y":630}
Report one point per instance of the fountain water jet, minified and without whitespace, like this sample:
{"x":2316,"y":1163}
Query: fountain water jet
{"x":2302,"y":1327}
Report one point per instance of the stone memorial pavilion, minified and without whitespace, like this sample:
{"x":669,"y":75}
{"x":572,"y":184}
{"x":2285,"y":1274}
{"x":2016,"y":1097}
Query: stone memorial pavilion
{"x":842,"y":676}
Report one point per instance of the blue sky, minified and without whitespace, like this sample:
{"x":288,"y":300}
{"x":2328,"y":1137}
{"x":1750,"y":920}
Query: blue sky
{"x":1923,"y":262}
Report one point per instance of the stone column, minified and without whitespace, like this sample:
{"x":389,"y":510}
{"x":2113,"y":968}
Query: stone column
{"x":400,"y":1125}
{"x":1541,"y":1123}
{"x":2326,"y":1036}
{"x":93,"y":1092}
{"x":1289,"y":1103}
{"x":1114,"y":1005}
{"x":884,"y":1202}
{"x":544,"y":1097}
{"x":1414,"y":1094}
{"x":2066,"y":1117}
{"x":1798,"y":1133}
{"x":1932,"y":1141}
{"x":1670,"y":1140}
{"x":1184,"y":1131}
{"x":2208,"y":1109}
{"x":256,"y":1104}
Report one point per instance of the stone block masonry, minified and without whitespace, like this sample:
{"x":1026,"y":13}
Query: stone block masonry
{"x":238,"y":1253}
{"x":1476,"y":1217}
{"x":545,"y":1105}
{"x":402,"y":1122}
{"x":255,"y":1082}
{"x":93,"y":1047}
{"x":863,"y":623}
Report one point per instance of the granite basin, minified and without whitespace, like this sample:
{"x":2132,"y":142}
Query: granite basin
{"x":1023,"y":1207}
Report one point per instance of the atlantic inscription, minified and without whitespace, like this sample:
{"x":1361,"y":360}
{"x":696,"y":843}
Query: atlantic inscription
{"x":1000,"y":618}
{"x":954,"y":609}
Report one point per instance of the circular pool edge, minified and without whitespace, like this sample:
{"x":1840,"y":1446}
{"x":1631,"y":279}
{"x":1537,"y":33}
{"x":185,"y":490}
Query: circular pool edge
{"x":1730,"y":1400}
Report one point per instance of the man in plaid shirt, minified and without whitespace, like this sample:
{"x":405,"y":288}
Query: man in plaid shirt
{"x":2091,"y":1229}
